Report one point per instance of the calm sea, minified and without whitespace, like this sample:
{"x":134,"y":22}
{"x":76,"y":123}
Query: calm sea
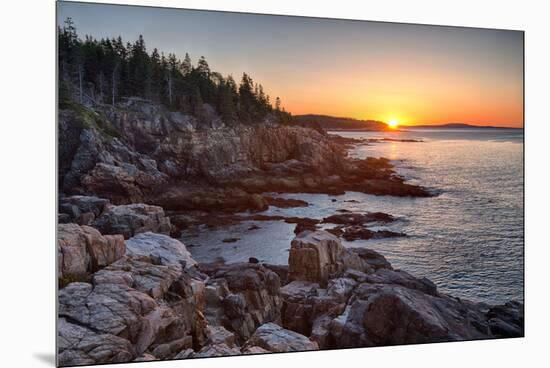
{"x":468,"y":239}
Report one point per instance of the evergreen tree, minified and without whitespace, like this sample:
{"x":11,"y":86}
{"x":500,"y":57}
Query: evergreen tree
{"x":170,"y":77}
{"x":246,"y":99}
{"x":226,"y":104}
{"x":139,"y":68}
{"x":203,"y":68}
{"x":156,"y":76}
{"x":186,"y":65}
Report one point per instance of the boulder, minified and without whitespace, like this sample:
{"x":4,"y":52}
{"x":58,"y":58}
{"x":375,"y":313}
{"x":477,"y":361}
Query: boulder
{"x":86,"y":218}
{"x":298,"y":303}
{"x":140,"y":274}
{"x":358,"y":218}
{"x":314,"y":256}
{"x":79,"y":345}
{"x":398,"y":277}
{"x":79,"y":204}
{"x":170,"y":349}
{"x":132,"y":219}
{"x":243,"y":296}
{"x":373,"y":259}
{"x":341,"y":288}
{"x":184,"y":354}
{"x":161,"y":248}
{"x":305,"y":304}
{"x":276,"y":339}
{"x":103,"y":250}
{"x":355,"y":232}
{"x":218,"y":350}
{"x":219,"y":335}
{"x":318,"y":256}
{"x":83,"y":249}
{"x":73,"y":258}
{"x":115,"y":182}
{"x":379,"y":315}
{"x":182,"y":122}
{"x":114,"y":309}
{"x":506,"y":320}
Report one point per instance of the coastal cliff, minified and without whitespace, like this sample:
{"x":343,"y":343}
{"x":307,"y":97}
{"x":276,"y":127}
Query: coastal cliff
{"x":141,"y":152}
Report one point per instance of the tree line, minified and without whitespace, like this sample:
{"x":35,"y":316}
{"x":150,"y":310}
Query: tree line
{"x":108,"y":70}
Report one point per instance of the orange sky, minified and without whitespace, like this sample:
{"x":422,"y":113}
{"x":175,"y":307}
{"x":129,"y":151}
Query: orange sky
{"x":413,"y":87}
{"x":366,"y":70}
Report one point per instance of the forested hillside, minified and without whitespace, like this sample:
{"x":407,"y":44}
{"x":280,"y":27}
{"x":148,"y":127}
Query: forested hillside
{"x":336,"y":123}
{"x":105,"y":71}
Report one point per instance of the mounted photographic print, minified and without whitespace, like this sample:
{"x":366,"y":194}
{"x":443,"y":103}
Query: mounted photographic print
{"x":233,"y":184}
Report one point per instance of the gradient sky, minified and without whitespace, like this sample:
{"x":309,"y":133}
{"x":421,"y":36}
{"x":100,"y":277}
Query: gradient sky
{"x":366,"y":70}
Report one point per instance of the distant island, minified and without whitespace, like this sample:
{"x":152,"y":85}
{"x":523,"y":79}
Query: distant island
{"x":328,"y":122}
{"x":338,"y":123}
{"x":459,"y":126}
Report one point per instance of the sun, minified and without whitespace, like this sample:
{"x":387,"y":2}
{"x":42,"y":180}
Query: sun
{"x":393,"y":124}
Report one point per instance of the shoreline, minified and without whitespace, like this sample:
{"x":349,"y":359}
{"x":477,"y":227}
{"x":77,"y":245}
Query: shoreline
{"x":251,"y":308}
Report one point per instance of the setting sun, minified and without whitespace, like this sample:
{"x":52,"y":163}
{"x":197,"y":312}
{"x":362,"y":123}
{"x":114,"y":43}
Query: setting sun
{"x":393,"y":124}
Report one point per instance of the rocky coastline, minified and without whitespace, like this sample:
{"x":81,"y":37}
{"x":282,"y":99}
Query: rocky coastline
{"x":204,"y":172}
{"x":134,"y":177}
{"x":145,"y":298}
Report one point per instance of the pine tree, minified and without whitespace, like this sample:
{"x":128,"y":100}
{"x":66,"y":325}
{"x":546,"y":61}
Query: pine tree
{"x":226,"y":105}
{"x":246,"y":98}
{"x":156,"y":76}
{"x":139,"y":65}
{"x":277,"y":104}
{"x":186,"y":65}
{"x":203,"y":68}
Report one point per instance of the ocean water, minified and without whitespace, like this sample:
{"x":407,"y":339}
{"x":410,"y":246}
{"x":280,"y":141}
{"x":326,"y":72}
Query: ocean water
{"x":468,"y":239}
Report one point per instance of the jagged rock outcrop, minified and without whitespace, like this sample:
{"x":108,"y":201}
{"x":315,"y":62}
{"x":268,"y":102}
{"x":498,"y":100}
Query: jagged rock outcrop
{"x":161,"y":248}
{"x":79,"y":345}
{"x":82,"y":210}
{"x":317,"y":256}
{"x":95,"y":158}
{"x":82,"y":249}
{"x":242,"y":297}
{"x":391,"y":314}
{"x":132,"y":219}
{"x":373,"y":259}
{"x":379,"y":305}
{"x":140,"y":152}
{"x":210,"y":199}
{"x":149,"y":305}
{"x":147,"y":311}
{"x":122,"y":151}
{"x":351,"y":218}
{"x":155,"y":308}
